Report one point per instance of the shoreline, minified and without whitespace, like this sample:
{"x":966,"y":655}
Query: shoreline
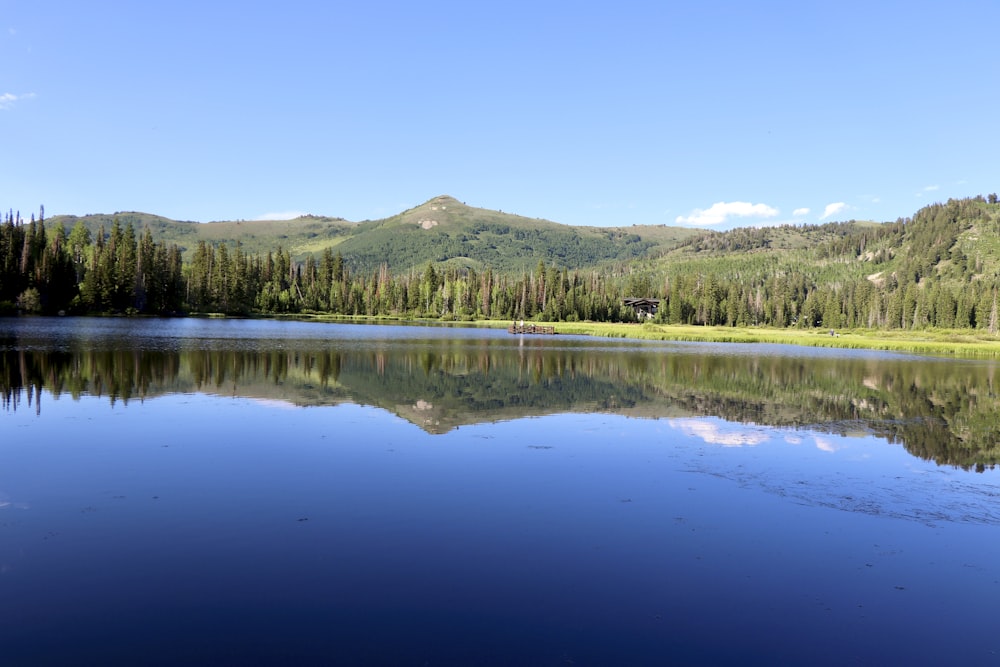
{"x":953,"y":343}
{"x":958,"y":343}
{"x":948,"y":343}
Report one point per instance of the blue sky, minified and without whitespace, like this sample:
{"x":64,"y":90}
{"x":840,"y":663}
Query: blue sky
{"x":713,"y":114}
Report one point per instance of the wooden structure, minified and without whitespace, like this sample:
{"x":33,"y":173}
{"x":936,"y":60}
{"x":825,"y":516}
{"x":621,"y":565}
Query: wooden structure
{"x":645,"y":308}
{"x":522,"y":328}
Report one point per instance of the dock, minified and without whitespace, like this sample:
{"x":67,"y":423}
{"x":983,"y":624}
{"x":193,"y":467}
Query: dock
{"x":530,"y":329}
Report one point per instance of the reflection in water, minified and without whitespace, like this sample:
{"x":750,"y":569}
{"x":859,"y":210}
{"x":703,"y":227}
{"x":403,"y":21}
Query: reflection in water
{"x":714,"y":434}
{"x":196,"y":528}
{"x":939,"y":411}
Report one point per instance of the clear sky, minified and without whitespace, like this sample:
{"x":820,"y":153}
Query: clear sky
{"x":595,"y":113}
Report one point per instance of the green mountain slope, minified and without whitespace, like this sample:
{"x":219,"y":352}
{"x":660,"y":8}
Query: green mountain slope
{"x":440,"y":230}
{"x":446,"y":230}
{"x":956,"y":241}
{"x":300,"y":236}
{"x":940,"y":268}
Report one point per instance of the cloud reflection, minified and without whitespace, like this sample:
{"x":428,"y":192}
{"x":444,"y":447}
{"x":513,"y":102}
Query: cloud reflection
{"x":275,"y":403}
{"x":827,"y":445}
{"x":711,"y":432}
{"x":7,"y":503}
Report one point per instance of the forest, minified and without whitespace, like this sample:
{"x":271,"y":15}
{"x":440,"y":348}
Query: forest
{"x":940,"y":269}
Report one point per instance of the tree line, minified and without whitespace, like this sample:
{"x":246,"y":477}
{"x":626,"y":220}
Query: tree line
{"x":911,"y":274}
{"x":44,"y":271}
{"x":120,"y":271}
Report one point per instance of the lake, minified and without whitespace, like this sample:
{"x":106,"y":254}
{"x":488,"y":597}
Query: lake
{"x":240,"y":492}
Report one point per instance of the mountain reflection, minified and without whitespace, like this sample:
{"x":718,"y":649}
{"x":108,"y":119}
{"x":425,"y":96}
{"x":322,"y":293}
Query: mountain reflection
{"x":942,"y":411}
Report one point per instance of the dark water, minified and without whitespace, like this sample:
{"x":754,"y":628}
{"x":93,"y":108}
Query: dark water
{"x":239,"y":492}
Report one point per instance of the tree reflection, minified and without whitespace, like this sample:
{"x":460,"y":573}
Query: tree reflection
{"x":940,"y":411}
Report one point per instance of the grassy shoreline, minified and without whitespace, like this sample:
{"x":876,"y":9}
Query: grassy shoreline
{"x":951,"y":343}
{"x":962,"y":343}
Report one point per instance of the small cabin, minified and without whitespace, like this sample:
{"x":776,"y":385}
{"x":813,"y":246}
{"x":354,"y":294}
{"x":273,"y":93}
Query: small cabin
{"x":645,"y":308}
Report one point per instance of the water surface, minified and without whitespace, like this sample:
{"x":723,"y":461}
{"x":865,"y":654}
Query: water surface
{"x":242,"y":492}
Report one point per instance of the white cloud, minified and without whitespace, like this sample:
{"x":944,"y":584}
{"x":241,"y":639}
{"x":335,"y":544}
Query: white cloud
{"x":832,"y":209}
{"x":800,"y":211}
{"x":286,"y":215}
{"x":932,"y":188}
{"x":7,"y":100}
{"x":720,"y":212}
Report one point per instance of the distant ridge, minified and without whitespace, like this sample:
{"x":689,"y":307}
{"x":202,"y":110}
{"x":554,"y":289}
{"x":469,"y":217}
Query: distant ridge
{"x":442,"y":229}
{"x":941,"y":242}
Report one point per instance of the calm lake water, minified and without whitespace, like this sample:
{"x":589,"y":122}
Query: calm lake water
{"x":258,"y":492}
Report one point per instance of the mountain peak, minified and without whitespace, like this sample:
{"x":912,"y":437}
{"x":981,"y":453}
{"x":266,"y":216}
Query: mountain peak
{"x":440,"y":202}
{"x":439,"y":210}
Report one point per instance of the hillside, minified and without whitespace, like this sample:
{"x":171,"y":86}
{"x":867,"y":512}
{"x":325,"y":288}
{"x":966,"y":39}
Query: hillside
{"x":940,"y":268}
{"x":446,"y":230}
{"x":300,"y":235}
{"x":440,"y":230}
{"x":958,"y":240}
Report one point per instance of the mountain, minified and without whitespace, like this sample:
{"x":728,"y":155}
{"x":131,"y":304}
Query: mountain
{"x":440,"y":230}
{"x":940,"y":268}
{"x":446,"y":230}
{"x":301,"y":236}
{"x":956,"y":240}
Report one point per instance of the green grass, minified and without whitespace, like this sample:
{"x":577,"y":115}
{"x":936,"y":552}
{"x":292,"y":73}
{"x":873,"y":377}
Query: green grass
{"x":934,"y":342}
{"x":953,"y":343}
